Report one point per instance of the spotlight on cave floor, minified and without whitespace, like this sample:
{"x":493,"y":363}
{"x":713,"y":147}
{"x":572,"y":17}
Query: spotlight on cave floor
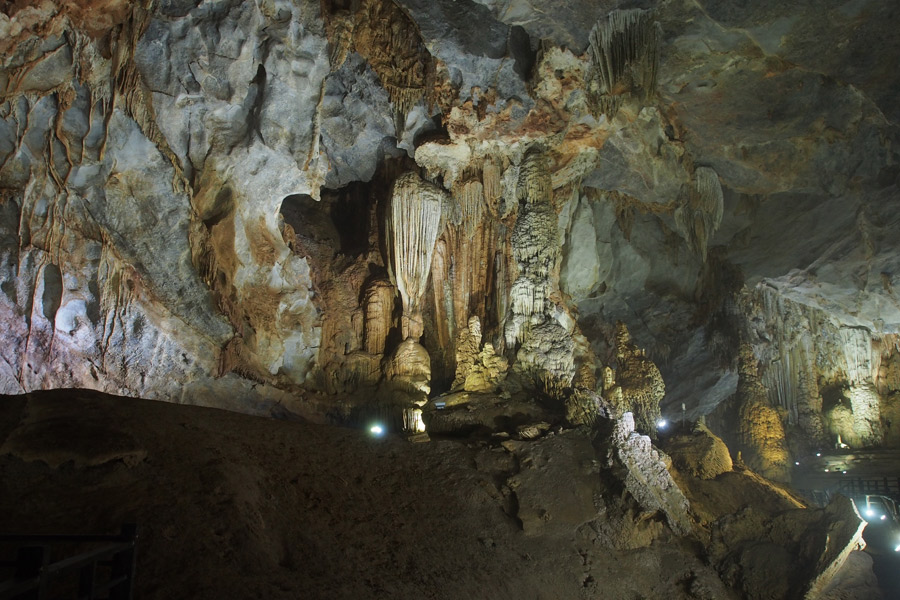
{"x":897,"y":549}
{"x":377,"y":430}
{"x":661,"y":424}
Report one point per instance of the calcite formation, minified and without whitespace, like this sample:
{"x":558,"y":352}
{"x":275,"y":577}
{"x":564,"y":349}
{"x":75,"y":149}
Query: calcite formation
{"x":700,"y":212}
{"x":647,"y":477}
{"x":497,"y":218}
{"x":535,"y":325}
{"x":152,"y":155}
{"x":636,"y":386}
{"x":624,"y":50}
{"x":478,"y":368}
{"x":415,"y":217}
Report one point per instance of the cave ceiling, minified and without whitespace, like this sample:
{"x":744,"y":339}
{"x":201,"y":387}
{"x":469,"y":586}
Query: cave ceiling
{"x":192,"y":194}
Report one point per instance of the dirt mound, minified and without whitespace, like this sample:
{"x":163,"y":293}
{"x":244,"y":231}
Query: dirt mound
{"x":231,"y":506}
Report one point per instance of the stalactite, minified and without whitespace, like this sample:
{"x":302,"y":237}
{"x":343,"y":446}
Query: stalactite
{"x":701,"y":210}
{"x":462,"y":272}
{"x":491,"y":177}
{"x":379,"y":306}
{"x":624,"y":51}
{"x":390,"y":42}
{"x":413,"y":226}
{"x":138,"y":100}
{"x":118,"y":282}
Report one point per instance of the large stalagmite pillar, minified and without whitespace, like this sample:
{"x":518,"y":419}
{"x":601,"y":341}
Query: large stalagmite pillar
{"x":413,"y":225}
{"x":535,"y":324}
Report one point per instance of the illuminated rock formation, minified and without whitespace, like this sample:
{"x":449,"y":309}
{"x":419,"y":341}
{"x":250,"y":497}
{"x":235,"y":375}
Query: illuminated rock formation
{"x":763,"y":444}
{"x":357,"y":209}
{"x":478,"y":368}
{"x":414,"y":220}
{"x":535,"y":326}
{"x":636,"y":386}
{"x":700,"y":453}
{"x":647,"y":477}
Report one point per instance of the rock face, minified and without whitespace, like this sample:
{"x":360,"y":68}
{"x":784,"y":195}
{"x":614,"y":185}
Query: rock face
{"x":700,"y":454}
{"x":302,"y":208}
{"x":498,"y":218}
{"x":163,"y":165}
{"x":647,"y":477}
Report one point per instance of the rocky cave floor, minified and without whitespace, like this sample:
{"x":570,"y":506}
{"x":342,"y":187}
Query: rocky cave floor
{"x":234,"y":506}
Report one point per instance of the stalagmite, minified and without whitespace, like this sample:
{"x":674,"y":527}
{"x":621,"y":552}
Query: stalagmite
{"x":761,"y":433}
{"x":478,"y":369}
{"x":545,"y":346}
{"x":637,"y":385}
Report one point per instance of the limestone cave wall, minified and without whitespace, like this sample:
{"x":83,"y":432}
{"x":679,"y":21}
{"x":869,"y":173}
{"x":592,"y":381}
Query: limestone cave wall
{"x":309,"y":208}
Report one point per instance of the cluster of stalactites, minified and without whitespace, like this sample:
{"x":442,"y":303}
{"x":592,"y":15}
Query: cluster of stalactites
{"x":700,"y":212}
{"x":535,"y":184}
{"x":390,"y":42}
{"x":414,"y":222}
{"x":624,"y":51}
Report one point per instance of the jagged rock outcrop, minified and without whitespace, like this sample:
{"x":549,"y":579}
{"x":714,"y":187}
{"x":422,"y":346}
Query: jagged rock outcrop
{"x":179,"y":186}
{"x":646,"y":475}
{"x":636,"y":386}
{"x":478,"y":368}
{"x":764,"y":566}
{"x":700,"y":453}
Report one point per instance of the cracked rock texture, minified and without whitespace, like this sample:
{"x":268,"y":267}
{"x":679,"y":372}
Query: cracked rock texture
{"x":193,"y":200}
{"x":546,"y":226}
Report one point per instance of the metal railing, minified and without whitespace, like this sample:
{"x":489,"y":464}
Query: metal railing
{"x":103,"y":572}
{"x":886,"y":486}
{"x":853,"y":488}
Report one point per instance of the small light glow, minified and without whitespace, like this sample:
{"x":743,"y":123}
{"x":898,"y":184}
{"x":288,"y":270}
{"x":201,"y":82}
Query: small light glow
{"x":883,"y":517}
{"x":826,"y":470}
{"x":897,"y":549}
{"x":870,"y":512}
{"x":844,"y":472}
{"x":376,"y":430}
{"x":797,"y":463}
{"x":662,"y":423}
{"x":818,"y":454}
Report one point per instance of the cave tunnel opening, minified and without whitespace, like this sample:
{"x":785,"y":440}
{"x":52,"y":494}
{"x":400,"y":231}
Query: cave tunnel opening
{"x":341,"y":220}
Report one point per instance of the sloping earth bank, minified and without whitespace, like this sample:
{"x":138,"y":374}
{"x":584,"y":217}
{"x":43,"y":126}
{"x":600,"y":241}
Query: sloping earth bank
{"x":232,"y":506}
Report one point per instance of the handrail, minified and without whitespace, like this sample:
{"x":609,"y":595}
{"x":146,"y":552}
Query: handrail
{"x":51,"y":538}
{"x":34,"y":572}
